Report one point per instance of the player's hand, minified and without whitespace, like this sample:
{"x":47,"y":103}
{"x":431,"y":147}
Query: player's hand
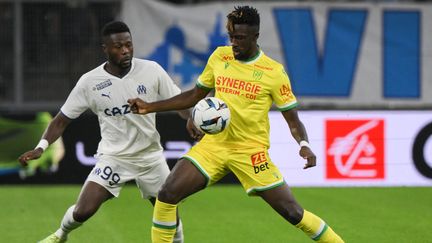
{"x":307,"y":154}
{"x":194,"y":132}
{"x":138,"y":106}
{"x":30,"y":155}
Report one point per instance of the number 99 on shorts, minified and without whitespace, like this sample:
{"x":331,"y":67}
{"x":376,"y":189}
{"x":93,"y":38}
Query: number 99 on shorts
{"x":107,"y":174}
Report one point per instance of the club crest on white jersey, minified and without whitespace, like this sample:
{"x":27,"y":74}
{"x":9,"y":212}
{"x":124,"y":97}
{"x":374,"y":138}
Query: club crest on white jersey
{"x":141,"y":89}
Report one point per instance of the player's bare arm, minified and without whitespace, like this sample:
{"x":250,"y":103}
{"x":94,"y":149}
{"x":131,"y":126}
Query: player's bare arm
{"x":182,"y":101}
{"x":54,"y":130}
{"x":298,"y":132}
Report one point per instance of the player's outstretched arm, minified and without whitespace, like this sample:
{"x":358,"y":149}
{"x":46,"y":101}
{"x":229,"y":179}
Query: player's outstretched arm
{"x":54,"y":130}
{"x":179,"y":102}
{"x":298,"y":132}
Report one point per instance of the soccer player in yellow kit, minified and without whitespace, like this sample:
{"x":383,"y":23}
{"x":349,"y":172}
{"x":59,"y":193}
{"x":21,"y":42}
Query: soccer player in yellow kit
{"x":249,"y":82}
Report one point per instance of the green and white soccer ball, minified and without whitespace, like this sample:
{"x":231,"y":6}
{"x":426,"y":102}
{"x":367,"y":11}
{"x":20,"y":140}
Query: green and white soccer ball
{"x":211,"y":115}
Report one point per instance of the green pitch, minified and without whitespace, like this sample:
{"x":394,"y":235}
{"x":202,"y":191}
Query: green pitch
{"x":222,"y":214}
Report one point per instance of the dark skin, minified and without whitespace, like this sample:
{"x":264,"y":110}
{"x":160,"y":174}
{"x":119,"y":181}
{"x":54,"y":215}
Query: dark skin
{"x":244,"y":41}
{"x":185,"y":179}
{"x":118,"y":49}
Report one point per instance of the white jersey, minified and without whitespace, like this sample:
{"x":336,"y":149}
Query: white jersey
{"x":123,"y":134}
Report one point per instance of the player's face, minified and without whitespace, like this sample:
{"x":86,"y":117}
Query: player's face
{"x":119,"y":49}
{"x":243,"y":41}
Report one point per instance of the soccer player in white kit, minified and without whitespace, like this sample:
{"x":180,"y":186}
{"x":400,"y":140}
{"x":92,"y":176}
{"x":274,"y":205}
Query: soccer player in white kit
{"x":130,"y":147}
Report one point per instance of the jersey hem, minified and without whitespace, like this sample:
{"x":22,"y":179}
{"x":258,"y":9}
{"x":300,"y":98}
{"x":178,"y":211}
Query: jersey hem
{"x":288,"y":107}
{"x":253,"y":190}
{"x":67,"y":115}
{"x":202,"y":86}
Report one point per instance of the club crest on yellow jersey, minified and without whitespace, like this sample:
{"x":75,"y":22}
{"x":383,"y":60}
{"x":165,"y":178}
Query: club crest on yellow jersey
{"x":257,"y":74}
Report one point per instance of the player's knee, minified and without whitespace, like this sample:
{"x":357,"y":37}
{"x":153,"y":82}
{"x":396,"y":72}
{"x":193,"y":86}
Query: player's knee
{"x":293,"y":213}
{"x":82,"y":213}
{"x":168,"y":196}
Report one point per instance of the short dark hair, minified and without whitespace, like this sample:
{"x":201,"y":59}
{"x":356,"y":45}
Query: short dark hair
{"x":243,"y":15}
{"x":114,"y":27}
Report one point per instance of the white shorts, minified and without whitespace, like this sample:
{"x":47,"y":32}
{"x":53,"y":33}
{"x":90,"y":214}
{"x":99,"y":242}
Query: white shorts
{"x":149,"y":174}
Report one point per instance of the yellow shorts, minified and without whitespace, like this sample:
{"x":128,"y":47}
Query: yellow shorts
{"x":252,"y":166}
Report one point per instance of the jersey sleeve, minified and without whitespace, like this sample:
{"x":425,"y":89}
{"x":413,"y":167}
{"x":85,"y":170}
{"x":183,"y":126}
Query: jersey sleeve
{"x":167,"y":88}
{"x":206,"y":79}
{"x":77,"y":102}
{"x":282,"y":94}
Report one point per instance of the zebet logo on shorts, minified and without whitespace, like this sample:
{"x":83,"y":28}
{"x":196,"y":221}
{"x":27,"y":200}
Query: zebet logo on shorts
{"x":355,"y":149}
{"x":259,"y":162}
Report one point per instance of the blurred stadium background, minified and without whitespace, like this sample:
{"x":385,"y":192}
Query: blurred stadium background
{"x":361,"y":70}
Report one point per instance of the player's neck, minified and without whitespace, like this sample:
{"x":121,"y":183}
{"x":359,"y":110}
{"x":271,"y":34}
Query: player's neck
{"x":116,"y":71}
{"x":253,"y":54}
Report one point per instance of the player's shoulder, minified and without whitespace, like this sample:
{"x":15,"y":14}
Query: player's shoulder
{"x":270,"y":66}
{"x":223,"y":53}
{"x":94,"y":74}
{"x":144,"y":62}
{"x":272,"y":63}
{"x":95,"y":71}
{"x":146,"y":67}
{"x":223,"y":50}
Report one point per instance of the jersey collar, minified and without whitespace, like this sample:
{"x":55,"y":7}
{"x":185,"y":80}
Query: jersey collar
{"x":130,"y":71}
{"x":253,"y":59}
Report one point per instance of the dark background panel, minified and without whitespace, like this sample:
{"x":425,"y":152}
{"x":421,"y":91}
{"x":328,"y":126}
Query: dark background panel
{"x":85,"y":129}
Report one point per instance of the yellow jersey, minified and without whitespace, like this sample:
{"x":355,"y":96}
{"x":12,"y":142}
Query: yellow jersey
{"x":249,"y":88}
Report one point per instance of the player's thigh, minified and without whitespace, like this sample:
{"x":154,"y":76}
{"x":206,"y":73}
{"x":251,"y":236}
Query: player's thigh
{"x":150,"y":181}
{"x":255,"y":170}
{"x":91,"y":197}
{"x":185,"y":179}
{"x":203,"y":165}
{"x":112,"y":175}
{"x":210,"y":160}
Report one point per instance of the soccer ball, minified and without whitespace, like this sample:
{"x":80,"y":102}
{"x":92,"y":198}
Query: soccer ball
{"x":211,"y":115}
